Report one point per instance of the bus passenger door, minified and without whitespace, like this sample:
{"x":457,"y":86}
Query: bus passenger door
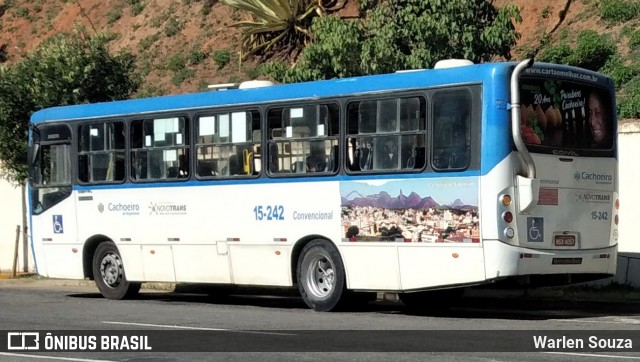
{"x":53,"y":212}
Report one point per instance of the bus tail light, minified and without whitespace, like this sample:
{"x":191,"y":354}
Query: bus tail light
{"x":505,"y":200}
{"x":507,"y":216}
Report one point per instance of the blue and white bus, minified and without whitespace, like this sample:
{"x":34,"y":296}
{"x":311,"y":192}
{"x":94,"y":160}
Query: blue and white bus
{"x":419,"y":183}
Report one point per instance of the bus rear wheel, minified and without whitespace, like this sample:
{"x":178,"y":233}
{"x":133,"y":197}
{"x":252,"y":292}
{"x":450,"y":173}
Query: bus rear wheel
{"x":108,"y":272}
{"x":321,"y":276}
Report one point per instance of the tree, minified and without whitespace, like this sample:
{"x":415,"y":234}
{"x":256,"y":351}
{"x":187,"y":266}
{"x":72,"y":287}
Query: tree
{"x":403,"y":34}
{"x":66,"y":69}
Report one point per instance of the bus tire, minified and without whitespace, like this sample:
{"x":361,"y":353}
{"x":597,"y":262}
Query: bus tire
{"x":321,"y":276}
{"x":108,"y":273}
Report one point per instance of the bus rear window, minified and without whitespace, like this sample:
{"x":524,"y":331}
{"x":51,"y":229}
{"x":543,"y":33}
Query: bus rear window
{"x":561,"y":115}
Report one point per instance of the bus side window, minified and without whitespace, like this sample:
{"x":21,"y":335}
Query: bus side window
{"x":101,"y":152}
{"x":388,"y":135}
{"x":160,"y":148}
{"x":301,"y":139}
{"x":451,"y":127}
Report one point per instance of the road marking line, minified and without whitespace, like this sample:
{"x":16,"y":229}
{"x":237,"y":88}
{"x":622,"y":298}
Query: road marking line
{"x":51,"y":357}
{"x":193,"y":328}
{"x":594,"y":355}
{"x":616,"y":321}
{"x":164,"y":326}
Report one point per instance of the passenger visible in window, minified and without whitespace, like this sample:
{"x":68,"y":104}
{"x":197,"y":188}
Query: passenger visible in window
{"x":316,"y":163}
{"x":139,"y":164}
{"x":363,"y":155}
{"x":389,"y":155}
{"x":411,"y":161}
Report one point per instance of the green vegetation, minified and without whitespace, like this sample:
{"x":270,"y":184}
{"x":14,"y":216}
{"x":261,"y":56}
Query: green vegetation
{"x":182,"y":75}
{"x":619,"y":71}
{"x":196,"y":56}
{"x":592,"y":51}
{"x":619,"y":11}
{"x":221,"y":58}
{"x":634,"y":40}
{"x":402,"y":34}
{"x":597,"y":52}
{"x":137,"y":6}
{"x":22,"y":12}
{"x":147,"y":41}
{"x":114,"y":15}
{"x":65,"y":69}
{"x":173,"y":27}
{"x":629,"y":100}
{"x":176,"y":63}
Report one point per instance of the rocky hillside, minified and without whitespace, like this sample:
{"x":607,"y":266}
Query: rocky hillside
{"x":183,"y":45}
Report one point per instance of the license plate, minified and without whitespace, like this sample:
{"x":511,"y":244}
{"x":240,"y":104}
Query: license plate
{"x":565,"y":240}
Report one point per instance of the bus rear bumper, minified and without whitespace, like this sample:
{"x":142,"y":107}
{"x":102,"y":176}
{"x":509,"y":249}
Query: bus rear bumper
{"x":504,"y":260}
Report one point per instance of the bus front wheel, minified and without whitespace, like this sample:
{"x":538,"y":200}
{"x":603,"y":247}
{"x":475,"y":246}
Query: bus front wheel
{"x":108,"y":272}
{"x":321,"y":276}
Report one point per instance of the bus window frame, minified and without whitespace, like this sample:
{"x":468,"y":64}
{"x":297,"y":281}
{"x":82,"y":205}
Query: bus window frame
{"x":337,"y":136}
{"x":187,"y":140}
{"x":195,"y":127}
{"x":76,"y":153}
{"x":472,"y":146}
{"x":424,"y":133}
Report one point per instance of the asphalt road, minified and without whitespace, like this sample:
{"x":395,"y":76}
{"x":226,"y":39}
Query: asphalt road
{"x":280,"y":323}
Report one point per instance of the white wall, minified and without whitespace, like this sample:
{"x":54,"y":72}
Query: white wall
{"x":629,"y":186}
{"x":10,"y":217}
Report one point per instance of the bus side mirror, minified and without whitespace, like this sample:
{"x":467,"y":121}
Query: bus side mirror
{"x":528,"y":192}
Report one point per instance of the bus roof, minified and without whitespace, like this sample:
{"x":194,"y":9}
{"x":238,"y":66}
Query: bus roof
{"x":285,"y":92}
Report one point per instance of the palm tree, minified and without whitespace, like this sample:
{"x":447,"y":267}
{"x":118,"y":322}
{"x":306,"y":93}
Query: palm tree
{"x":279,"y":25}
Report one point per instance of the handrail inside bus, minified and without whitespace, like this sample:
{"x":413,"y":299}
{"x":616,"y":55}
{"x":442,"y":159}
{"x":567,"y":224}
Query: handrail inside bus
{"x":515,"y":118}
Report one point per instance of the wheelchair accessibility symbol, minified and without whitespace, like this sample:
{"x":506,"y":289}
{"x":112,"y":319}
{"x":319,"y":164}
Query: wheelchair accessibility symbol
{"x":535,"y":229}
{"x":57,"y":224}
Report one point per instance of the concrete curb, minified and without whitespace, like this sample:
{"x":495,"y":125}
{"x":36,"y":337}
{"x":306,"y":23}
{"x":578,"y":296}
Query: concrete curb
{"x":30,"y":279}
{"x":9,"y":275}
